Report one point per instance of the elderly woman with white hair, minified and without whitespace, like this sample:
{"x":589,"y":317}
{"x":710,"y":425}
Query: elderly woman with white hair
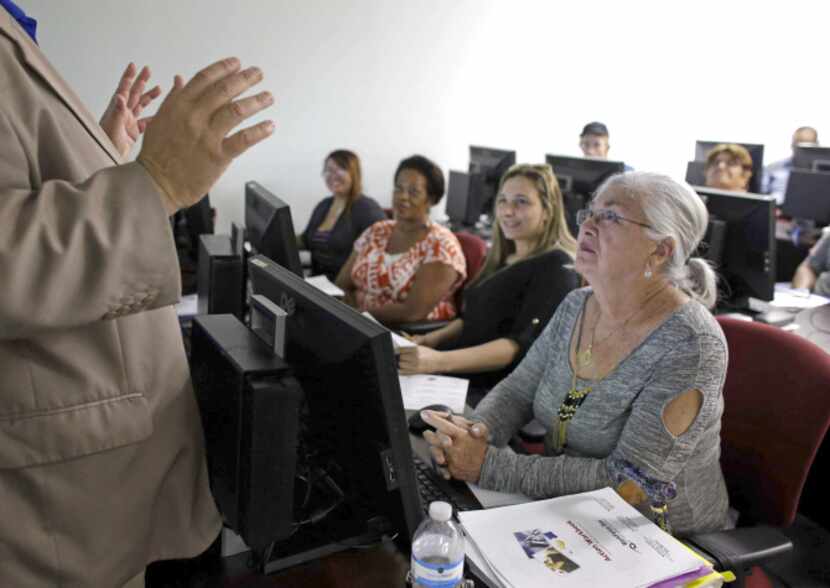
{"x":627,"y":377}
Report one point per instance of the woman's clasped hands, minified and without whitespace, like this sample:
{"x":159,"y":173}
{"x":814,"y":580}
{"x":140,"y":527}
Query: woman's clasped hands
{"x":458,"y":446}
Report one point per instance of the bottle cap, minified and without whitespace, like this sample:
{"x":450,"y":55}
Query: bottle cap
{"x":440,"y":511}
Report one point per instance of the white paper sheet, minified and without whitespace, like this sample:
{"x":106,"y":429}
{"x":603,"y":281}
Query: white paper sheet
{"x":581,"y":540}
{"x":188,"y":306}
{"x":321,"y":282}
{"x":398,"y":341}
{"x":493,"y":499}
{"x":422,"y":390}
{"x":788,"y":298}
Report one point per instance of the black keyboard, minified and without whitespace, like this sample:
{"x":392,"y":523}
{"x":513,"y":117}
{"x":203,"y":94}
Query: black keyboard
{"x":432,"y":487}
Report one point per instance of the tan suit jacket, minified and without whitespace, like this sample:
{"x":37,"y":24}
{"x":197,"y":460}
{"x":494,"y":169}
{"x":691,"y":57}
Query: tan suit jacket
{"x":102,"y":465}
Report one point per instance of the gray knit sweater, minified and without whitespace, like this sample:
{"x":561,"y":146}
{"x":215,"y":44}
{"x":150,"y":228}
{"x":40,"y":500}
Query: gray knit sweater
{"x":620,"y":419}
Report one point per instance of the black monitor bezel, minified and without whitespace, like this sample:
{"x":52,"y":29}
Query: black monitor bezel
{"x":735,"y":244}
{"x":803,"y":201}
{"x":266,"y":275}
{"x":805,"y":156}
{"x":278,"y":240}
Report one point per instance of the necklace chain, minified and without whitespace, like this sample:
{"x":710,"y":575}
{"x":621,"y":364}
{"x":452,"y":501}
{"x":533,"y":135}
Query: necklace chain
{"x":586,"y":358}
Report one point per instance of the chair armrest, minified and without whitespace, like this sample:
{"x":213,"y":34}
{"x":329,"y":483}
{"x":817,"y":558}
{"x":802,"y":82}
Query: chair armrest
{"x":737,"y":550}
{"x":421,"y":328}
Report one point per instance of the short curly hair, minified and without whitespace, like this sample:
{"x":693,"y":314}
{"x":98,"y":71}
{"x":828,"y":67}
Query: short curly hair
{"x":736,"y":151}
{"x":431,"y":172}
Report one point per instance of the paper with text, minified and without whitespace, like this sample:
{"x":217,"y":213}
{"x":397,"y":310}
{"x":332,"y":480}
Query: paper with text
{"x":580,"y":540}
{"x":422,"y":390}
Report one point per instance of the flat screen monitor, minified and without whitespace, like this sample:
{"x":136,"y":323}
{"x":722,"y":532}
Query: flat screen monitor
{"x":756,"y":152}
{"x":579,"y":177}
{"x":747,"y":266}
{"x":808,"y":196}
{"x":220,"y":279}
{"x":695,"y":174}
{"x":463,"y":208}
{"x":582,"y":175}
{"x":812,"y":158}
{"x":199,"y":219}
{"x":489,"y":164}
{"x":269,"y":228}
{"x":353,"y":425}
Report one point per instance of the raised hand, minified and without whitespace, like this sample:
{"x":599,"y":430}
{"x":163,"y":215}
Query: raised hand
{"x":121,"y":120}
{"x":186,"y":146}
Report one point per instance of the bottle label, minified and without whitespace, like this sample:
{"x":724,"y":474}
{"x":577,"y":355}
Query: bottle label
{"x":437,"y":575}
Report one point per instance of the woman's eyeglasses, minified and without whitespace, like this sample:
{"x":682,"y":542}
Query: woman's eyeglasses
{"x":603,"y":216}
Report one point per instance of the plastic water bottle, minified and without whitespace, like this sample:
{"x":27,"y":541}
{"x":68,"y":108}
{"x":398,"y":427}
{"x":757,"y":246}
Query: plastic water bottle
{"x":437,"y":550}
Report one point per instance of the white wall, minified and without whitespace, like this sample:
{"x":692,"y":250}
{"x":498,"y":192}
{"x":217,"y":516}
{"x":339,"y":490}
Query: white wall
{"x":390,"y":78}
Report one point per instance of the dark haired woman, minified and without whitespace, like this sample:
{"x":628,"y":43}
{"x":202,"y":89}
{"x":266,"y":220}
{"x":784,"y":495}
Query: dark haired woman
{"x":338,"y":219}
{"x":407,"y":269}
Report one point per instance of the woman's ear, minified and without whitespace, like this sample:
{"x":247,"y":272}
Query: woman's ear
{"x":664,"y":251}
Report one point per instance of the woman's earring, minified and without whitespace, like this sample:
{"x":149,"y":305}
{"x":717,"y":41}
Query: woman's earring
{"x":648,"y":273}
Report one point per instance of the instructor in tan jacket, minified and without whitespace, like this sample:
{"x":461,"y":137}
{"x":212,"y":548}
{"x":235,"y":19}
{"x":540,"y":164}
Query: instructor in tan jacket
{"x":102,"y":466}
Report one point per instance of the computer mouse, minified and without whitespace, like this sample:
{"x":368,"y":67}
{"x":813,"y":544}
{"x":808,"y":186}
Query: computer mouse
{"x":417,"y":424}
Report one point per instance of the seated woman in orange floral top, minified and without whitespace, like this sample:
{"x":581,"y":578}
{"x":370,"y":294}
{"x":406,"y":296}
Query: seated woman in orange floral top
{"x":407,"y":269}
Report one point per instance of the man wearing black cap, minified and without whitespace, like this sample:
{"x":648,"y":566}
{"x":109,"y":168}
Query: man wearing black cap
{"x":594,"y":140}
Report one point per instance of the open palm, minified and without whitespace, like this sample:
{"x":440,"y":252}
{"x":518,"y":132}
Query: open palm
{"x":121,"y":120}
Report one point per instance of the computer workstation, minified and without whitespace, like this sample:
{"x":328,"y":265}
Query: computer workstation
{"x":740,"y":243}
{"x":579,"y":178}
{"x":811,"y":158}
{"x":308,"y":453}
{"x":222,"y":273}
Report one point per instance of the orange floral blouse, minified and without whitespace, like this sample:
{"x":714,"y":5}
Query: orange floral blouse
{"x":382,"y":278}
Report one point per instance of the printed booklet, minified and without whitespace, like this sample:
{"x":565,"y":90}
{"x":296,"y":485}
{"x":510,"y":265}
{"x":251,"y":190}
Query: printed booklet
{"x":590,"y":539}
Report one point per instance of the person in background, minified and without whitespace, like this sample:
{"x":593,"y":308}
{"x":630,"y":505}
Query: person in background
{"x":776,"y":175}
{"x":102,"y":461}
{"x":407,"y":269}
{"x":728,"y":167}
{"x":814,"y":272}
{"x":340,"y":218}
{"x":594,"y":142}
{"x":523,"y":280}
{"x":627,"y":377}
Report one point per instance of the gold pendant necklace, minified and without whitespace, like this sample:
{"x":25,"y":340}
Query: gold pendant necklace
{"x":585,"y":357}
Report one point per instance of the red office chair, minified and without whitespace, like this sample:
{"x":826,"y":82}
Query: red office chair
{"x":777,"y":412}
{"x":474,"y":249}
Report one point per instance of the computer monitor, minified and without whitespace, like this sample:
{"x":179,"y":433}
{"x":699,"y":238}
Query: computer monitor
{"x":490,"y":164}
{"x":582,"y":175}
{"x":220,"y":280}
{"x":579,"y":177}
{"x":747,"y":267}
{"x":808,"y":196}
{"x":353,"y":441}
{"x":695,"y":173}
{"x":199,"y":220}
{"x":756,"y":152}
{"x":269,"y":228}
{"x":812,"y":158}
{"x":463,"y":192}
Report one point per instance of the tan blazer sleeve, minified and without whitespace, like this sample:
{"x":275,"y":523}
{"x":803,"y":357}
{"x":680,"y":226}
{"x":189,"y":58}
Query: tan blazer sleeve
{"x":74,"y":253}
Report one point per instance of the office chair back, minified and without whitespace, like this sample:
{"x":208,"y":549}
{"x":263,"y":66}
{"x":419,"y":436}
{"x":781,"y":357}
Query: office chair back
{"x":777,"y":411}
{"x":474,"y":249}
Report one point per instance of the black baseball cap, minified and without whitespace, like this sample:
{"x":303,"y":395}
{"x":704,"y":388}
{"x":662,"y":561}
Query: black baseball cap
{"x":594,"y":128}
